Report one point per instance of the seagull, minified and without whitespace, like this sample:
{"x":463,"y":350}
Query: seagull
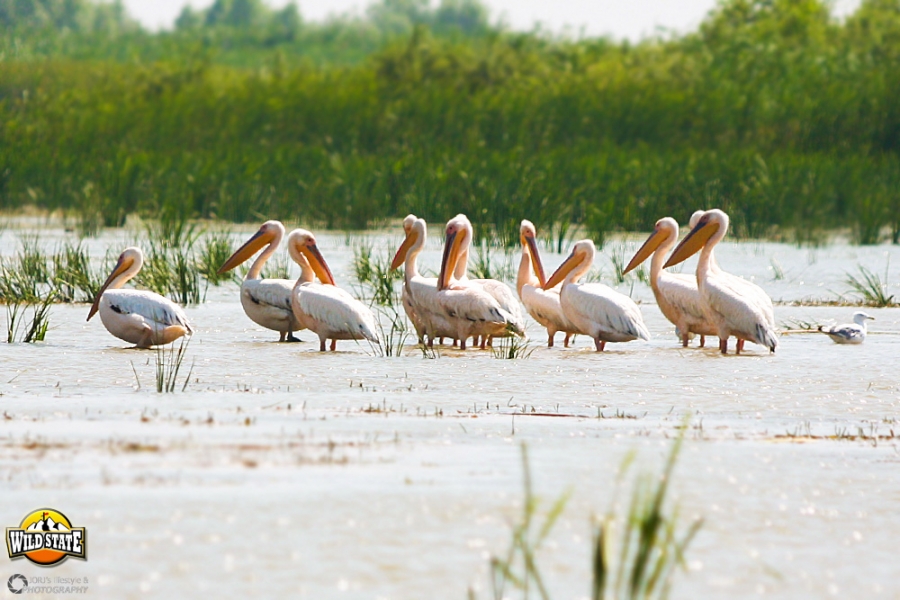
{"x":849,"y":333}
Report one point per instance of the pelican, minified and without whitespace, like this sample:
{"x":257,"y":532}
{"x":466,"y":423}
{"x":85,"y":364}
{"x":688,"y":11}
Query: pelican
{"x":468,"y":306}
{"x":676,"y":295}
{"x":737,"y":307}
{"x":850,"y":333}
{"x":324,"y":308}
{"x":140,"y":317}
{"x":266,"y":301}
{"x":543,"y":305}
{"x":497,"y":289}
{"x":419,"y":296}
{"x":595,"y":309}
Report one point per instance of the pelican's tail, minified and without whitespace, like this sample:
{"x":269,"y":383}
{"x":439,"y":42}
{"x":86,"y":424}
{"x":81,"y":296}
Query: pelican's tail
{"x":767,"y":337}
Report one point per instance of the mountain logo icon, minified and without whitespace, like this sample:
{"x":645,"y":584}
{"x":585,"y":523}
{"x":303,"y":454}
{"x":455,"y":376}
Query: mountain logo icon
{"x":46,"y":537}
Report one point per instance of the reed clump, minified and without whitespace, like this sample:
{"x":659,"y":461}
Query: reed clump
{"x":376,"y":277}
{"x":871,"y":287}
{"x":168,"y":364}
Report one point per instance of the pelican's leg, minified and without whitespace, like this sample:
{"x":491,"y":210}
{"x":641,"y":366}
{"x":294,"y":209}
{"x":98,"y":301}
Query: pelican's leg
{"x":321,"y":344}
{"x":599,"y":345}
{"x":723,"y":345}
{"x":684,"y":340}
{"x":462,"y":343}
{"x":740,"y":346}
{"x":333,"y":344}
{"x":484,"y":340}
{"x":702,"y":340}
{"x":549,"y":340}
{"x":490,"y":341}
{"x":566,"y":341}
{"x":441,"y":341}
{"x":282,"y":335}
{"x":292,"y":338}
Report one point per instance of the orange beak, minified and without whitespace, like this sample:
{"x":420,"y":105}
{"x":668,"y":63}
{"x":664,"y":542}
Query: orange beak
{"x":536,"y":264}
{"x":656,"y":238}
{"x":449,"y":260}
{"x":122,"y":265}
{"x":564,"y":269}
{"x":404,"y":249}
{"x":691,"y":244}
{"x":250,"y":247}
{"x":318,"y":264}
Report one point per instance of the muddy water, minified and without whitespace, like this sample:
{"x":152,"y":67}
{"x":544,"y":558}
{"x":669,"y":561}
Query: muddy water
{"x":281,"y":471}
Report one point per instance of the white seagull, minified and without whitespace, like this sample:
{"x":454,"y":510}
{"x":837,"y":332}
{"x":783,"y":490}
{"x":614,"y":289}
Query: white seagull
{"x":139,"y":317}
{"x":849,"y":333}
{"x":266,"y":301}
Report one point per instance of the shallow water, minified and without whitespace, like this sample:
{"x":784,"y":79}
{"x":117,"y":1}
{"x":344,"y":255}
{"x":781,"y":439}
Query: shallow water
{"x":282,"y":471}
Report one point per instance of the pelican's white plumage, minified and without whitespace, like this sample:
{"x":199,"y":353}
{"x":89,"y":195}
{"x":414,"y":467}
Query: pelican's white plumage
{"x":139,"y":317}
{"x":266,"y":301}
{"x":595,"y":309}
{"x":501,"y":292}
{"x":543,"y":305}
{"x":676,"y":295}
{"x":470,"y":309}
{"x":737,"y":307}
{"x":849,"y":333}
{"x":420,"y":294}
{"x":324,"y":308}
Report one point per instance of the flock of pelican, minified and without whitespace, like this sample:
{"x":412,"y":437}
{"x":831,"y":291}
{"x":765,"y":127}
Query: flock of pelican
{"x":454,"y":306}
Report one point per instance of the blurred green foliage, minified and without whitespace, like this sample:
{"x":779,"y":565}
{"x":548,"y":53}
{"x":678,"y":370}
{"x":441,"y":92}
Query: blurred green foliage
{"x":772,"y":110}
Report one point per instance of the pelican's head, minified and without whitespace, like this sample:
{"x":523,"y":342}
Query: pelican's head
{"x":457,"y":239}
{"x":303,"y":249}
{"x":860,"y":318}
{"x":271,"y":231}
{"x":415,"y":238}
{"x":129,"y":264}
{"x":712,"y":223}
{"x":695,"y":218}
{"x":579,"y":261}
{"x":665,"y":230}
{"x":528,"y":237}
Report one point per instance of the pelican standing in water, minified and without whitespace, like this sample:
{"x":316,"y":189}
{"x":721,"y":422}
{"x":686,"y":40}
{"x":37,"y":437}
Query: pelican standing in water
{"x":595,"y":309}
{"x":850,"y":333}
{"x":676,"y":295}
{"x":543,"y":305}
{"x":266,"y":301}
{"x":419,"y":296}
{"x":324,"y":308}
{"x":468,"y":306}
{"x":139,"y":317}
{"x":497,"y":289}
{"x":737,"y":307}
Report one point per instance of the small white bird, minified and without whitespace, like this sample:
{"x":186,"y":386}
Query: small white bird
{"x":849,"y":333}
{"x":139,"y":317}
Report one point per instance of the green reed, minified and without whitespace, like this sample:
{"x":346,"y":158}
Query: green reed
{"x":375,"y":275}
{"x":168,"y":364}
{"x":871,"y":286}
{"x":511,"y":347}
{"x":28,"y":320}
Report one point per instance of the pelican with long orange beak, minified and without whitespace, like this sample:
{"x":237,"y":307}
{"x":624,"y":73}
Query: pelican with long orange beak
{"x":676,"y":295}
{"x":322,"y":307}
{"x":419,"y":295}
{"x":736,"y":306}
{"x":543,"y":305}
{"x":139,"y":317}
{"x":266,"y":301}
{"x":501,"y":292}
{"x":467,"y":305}
{"x":595,"y":309}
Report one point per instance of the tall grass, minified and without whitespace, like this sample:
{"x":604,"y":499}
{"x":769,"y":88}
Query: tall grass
{"x":168,"y":364}
{"x":376,"y":277}
{"x":871,"y":287}
{"x":634,"y":555}
{"x":28,"y":320}
{"x":603,"y":135}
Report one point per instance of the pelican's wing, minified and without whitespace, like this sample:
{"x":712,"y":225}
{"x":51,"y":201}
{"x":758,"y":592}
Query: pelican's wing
{"x":336,"y":309}
{"x":424,"y":294}
{"x":681,"y":291}
{"x":745,"y":306}
{"x":472,"y":303}
{"x":544,"y":307}
{"x":152,"y":307}
{"x":506,"y":298}
{"x":274,"y":293}
{"x":614,"y":313}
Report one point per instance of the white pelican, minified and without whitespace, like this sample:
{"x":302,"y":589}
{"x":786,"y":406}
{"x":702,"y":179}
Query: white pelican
{"x":467,"y":305}
{"x":737,"y":307}
{"x":850,"y":333}
{"x":676,"y":295}
{"x":543,"y":305}
{"x":266,"y":301}
{"x":499,"y":290}
{"x":419,"y":296}
{"x":595,"y":309}
{"x":140,"y":317}
{"x":324,"y":308}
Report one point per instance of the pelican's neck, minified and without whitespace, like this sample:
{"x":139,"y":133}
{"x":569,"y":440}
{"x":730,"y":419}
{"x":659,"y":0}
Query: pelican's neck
{"x":526,"y":274}
{"x":126,"y":275}
{"x":659,"y":257}
{"x":411,"y":265}
{"x":582,"y":268}
{"x":461,"y":269}
{"x":307,"y":275}
{"x":256,"y":267}
{"x":707,"y":260}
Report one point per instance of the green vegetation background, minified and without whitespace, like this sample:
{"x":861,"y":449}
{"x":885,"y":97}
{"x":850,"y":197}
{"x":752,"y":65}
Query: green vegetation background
{"x":772,"y":110}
